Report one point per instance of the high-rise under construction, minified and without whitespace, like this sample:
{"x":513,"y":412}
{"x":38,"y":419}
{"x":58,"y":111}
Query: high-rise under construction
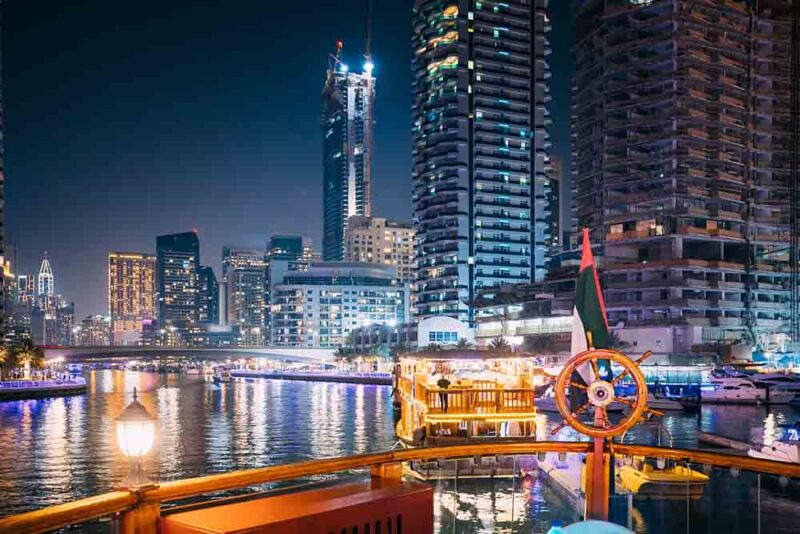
{"x":685,"y":156}
{"x":347,"y":118}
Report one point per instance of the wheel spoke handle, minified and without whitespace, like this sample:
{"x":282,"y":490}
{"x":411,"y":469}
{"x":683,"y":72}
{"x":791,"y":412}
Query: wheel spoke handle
{"x":574,"y":384}
{"x":623,"y":400}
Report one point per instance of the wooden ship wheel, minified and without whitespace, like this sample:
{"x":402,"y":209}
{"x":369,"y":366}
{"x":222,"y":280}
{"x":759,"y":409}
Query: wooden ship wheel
{"x":599,"y":394}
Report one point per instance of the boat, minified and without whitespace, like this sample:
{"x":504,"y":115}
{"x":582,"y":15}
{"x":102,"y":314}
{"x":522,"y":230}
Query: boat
{"x":784,"y":449}
{"x":658,"y":402}
{"x":782,"y":381}
{"x":462,"y":397}
{"x":670,"y":481}
{"x":547,"y":403}
{"x":724,"y":389}
{"x":222,"y":375}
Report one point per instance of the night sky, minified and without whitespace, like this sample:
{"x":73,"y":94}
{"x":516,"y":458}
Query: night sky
{"x":125,"y":120}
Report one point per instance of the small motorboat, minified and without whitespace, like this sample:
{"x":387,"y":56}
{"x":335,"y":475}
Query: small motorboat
{"x":784,"y":449}
{"x":222,"y":375}
{"x":661,"y":404}
{"x":661,"y":481}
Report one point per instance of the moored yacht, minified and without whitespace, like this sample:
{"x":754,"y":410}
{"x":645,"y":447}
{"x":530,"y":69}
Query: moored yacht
{"x":741,"y":390}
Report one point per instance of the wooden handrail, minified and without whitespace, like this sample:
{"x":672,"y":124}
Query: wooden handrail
{"x":717,"y":459}
{"x":71,"y":513}
{"x":108,"y":504}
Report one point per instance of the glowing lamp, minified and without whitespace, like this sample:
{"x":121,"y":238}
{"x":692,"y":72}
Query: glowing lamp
{"x":343,"y":67}
{"x":368,"y":66}
{"x":136,"y":432}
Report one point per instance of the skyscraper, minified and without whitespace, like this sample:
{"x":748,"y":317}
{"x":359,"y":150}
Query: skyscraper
{"x":131,"y":294}
{"x":480,"y":149}
{"x":376,"y":240}
{"x":244,"y":275}
{"x":208,"y":296}
{"x":347,"y":119}
{"x":285,"y":254}
{"x":685,"y":166}
{"x":26,"y":288}
{"x":177,"y":280}
{"x":46,"y":284}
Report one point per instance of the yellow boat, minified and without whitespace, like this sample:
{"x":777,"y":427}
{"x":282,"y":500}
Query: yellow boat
{"x":674,"y":481}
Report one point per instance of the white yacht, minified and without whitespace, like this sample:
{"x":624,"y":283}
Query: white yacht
{"x":222,"y":375}
{"x":784,"y":449}
{"x":782,"y":381}
{"x":658,"y":402}
{"x":740,"y":390}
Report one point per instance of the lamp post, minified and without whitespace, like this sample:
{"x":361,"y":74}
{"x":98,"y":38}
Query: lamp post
{"x":136,"y":430}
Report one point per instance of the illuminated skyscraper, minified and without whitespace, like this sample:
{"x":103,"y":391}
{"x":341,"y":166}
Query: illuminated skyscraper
{"x":177,"y":280}
{"x":347,"y":119}
{"x":131,"y":294}
{"x":480,"y":149}
{"x":377,"y":240}
{"x":244,"y":274}
{"x":208,"y":297}
{"x":46,"y":288}
{"x":26,"y":288}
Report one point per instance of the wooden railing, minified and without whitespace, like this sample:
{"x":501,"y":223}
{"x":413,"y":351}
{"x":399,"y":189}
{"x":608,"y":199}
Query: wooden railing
{"x":477,"y":401}
{"x":140,"y":509}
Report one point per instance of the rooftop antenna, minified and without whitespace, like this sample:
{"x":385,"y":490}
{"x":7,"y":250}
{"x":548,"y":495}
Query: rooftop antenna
{"x":335,"y":60}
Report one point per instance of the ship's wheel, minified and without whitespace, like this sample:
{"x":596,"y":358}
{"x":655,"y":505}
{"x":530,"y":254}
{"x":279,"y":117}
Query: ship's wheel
{"x":600,"y":394}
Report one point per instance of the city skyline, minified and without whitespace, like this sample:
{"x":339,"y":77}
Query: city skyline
{"x":92,"y":168}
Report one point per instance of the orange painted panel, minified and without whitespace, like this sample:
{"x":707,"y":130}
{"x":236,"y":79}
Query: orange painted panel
{"x":370,"y":507}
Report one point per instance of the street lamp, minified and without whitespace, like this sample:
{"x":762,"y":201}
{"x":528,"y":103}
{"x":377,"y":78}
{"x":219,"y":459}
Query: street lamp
{"x":136,"y":431}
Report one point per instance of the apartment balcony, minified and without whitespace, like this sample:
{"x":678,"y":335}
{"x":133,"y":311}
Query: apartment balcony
{"x":731,"y":101}
{"x":728,"y":177}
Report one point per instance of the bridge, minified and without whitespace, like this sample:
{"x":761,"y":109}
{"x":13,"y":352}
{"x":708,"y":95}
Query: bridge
{"x":78,"y":354}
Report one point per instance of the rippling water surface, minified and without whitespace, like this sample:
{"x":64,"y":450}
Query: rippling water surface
{"x":60,"y":449}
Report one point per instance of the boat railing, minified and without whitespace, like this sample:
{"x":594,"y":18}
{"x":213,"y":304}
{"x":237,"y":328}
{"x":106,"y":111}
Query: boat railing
{"x":478,"y":401}
{"x":140,"y":509}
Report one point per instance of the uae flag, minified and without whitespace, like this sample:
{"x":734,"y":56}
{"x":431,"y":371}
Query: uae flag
{"x":589,"y":322}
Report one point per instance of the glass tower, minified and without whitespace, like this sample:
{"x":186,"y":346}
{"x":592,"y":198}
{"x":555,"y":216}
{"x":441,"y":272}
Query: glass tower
{"x":480,"y":149}
{"x":177,"y":278}
{"x":347,"y":118}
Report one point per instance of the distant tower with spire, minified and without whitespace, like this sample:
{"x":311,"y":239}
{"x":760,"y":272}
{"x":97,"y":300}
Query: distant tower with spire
{"x":46,"y":287}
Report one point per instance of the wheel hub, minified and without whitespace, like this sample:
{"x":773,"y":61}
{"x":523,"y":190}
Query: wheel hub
{"x":600,"y":393}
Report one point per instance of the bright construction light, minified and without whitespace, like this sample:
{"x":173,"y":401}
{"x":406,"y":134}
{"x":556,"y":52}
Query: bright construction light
{"x":343,"y":67}
{"x":368,"y":66}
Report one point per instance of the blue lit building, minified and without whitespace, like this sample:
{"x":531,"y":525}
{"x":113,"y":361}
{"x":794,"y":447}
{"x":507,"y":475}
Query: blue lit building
{"x":480,"y":149}
{"x":347,"y":118}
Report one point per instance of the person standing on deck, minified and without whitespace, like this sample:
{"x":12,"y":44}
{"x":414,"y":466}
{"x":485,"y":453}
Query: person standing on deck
{"x":443,"y":383}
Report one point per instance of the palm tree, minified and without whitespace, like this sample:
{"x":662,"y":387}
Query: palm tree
{"x":434,"y":347}
{"x":541,"y":344}
{"x":28,"y":355}
{"x":499,"y":344}
{"x":463,"y":344}
{"x":7,"y":360}
{"x":344,"y":354}
{"x":398,"y":350}
{"x":617,"y":342}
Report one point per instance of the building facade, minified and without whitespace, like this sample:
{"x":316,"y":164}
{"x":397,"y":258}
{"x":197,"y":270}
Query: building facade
{"x":480,"y":149}
{"x":286,"y":254}
{"x":244,"y":276}
{"x":321,"y":306}
{"x":685,"y":166}
{"x":131,"y":294}
{"x":377,"y":240}
{"x":177,"y":281}
{"x":208,"y":296}
{"x":45,"y":283}
{"x":347,"y":120}
{"x":94,"y":331}
{"x":26,"y":288}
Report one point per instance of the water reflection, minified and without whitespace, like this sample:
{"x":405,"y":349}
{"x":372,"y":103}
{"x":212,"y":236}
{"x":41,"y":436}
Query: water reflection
{"x":62,"y":449}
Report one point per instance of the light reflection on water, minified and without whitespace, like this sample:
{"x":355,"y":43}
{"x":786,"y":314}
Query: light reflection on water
{"x":64,"y":448}
{"x":61,"y":449}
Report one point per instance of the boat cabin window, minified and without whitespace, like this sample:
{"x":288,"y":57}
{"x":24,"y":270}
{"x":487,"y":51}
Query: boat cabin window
{"x":731,"y":387}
